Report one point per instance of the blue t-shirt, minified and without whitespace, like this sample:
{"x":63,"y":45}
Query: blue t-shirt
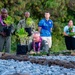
{"x":45,"y":27}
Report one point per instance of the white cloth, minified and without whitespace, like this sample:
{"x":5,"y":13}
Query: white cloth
{"x":49,"y":40}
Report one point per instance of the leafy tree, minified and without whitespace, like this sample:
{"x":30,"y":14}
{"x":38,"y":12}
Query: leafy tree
{"x":61,"y":12}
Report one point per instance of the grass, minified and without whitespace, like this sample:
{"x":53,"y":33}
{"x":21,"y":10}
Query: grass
{"x":58,"y":44}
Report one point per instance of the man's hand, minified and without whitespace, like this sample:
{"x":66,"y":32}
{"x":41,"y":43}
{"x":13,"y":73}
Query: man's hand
{"x":3,"y":34}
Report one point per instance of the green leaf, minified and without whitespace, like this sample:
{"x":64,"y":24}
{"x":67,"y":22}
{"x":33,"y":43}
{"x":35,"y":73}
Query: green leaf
{"x":8,"y":20}
{"x":29,"y":21}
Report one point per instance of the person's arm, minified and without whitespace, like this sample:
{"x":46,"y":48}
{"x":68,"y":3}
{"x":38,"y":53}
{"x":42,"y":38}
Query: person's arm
{"x":51,"y":29}
{"x":3,"y":34}
{"x":65,"y":31}
{"x":40,"y":25}
{"x":39,"y":29}
{"x":51,"y":26}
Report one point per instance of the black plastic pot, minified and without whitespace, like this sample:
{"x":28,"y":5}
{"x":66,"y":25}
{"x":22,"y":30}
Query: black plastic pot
{"x":22,"y":49}
{"x":7,"y":30}
{"x":29,"y":31}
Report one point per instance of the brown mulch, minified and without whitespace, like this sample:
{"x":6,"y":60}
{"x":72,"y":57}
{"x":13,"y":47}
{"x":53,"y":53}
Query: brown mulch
{"x":42,"y":61}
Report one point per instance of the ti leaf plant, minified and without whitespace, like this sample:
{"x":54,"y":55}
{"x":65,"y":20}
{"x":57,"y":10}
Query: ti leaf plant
{"x":8,"y":20}
{"x":71,"y":33}
{"x":29,"y":22}
{"x":22,"y":36}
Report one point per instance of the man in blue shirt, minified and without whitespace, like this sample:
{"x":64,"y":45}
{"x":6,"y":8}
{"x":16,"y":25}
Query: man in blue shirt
{"x":45,"y":28}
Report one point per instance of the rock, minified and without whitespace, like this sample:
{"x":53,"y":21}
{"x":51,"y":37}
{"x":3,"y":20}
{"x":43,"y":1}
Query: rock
{"x":41,"y":61}
{"x":18,"y":74}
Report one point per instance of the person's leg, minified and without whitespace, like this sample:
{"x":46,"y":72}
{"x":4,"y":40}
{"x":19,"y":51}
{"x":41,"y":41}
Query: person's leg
{"x":68,"y":42}
{"x":72,"y":46}
{"x":49,"y":40}
{"x":1,"y":43}
{"x":73,"y":43}
{"x":44,"y":38}
{"x":8,"y":44}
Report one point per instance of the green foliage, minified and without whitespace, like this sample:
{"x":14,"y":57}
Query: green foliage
{"x":58,"y":44}
{"x":13,"y":44}
{"x":39,"y":54}
{"x":70,"y":28}
{"x":71,"y":34}
{"x":21,"y":36}
{"x":70,"y":31}
{"x":52,"y":3}
{"x":29,"y":22}
{"x":22,"y":33}
{"x":8,"y":20}
{"x":61,"y":12}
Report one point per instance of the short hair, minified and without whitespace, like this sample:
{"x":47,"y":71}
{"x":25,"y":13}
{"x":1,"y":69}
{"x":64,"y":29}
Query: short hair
{"x":36,"y":32}
{"x":70,"y":20}
{"x":27,"y":12}
{"x":47,"y":12}
{"x":4,"y":10}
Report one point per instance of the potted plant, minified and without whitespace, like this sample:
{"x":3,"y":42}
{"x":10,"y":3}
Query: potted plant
{"x":29,"y":26}
{"x":8,"y":20}
{"x":8,"y":25}
{"x":22,"y":37}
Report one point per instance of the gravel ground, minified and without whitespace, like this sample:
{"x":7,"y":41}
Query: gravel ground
{"x":9,"y":67}
{"x":68,"y":58}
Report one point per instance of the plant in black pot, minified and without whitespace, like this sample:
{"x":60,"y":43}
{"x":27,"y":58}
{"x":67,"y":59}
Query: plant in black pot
{"x":7,"y":29}
{"x":29,"y":25}
{"x":22,"y":36}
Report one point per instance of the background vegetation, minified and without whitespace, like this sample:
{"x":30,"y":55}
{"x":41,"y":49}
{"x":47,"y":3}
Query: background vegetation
{"x":61,"y":12}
